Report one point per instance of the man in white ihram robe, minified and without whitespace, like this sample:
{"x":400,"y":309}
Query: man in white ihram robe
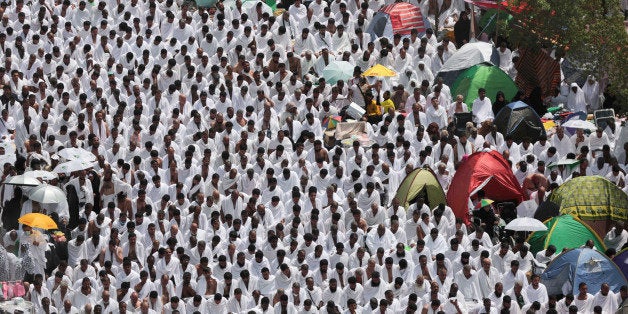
{"x":486,"y":278}
{"x":606,"y":299}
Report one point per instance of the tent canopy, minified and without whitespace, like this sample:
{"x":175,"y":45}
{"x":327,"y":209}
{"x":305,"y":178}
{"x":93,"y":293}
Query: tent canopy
{"x":469,"y":55}
{"x":396,"y":18}
{"x":582,"y":265}
{"x":421,"y":181}
{"x":519,"y":121}
{"x":537,"y":69}
{"x":593,"y":199}
{"x":621,"y":259}
{"x":473,"y":171}
{"x":491,"y":78}
{"x":546,"y":210}
{"x":563,"y":232}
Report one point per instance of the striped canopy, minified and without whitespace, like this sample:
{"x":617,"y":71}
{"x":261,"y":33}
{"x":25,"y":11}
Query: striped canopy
{"x":537,"y":69}
{"x":396,"y":18}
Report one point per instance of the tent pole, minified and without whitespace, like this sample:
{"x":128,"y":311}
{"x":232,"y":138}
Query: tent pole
{"x":472,"y":33}
{"x":497,"y":22}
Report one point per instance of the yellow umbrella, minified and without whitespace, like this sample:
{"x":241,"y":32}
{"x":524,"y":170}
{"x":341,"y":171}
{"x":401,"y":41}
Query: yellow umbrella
{"x":548,"y":125}
{"x":37,"y":220}
{"x":379,"y":70}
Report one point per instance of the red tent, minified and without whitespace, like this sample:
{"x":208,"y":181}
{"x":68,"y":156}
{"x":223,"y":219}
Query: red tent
{"x":474,"y":171}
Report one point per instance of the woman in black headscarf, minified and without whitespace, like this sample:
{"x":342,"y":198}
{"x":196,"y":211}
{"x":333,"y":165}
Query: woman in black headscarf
{"x":500,"y":102}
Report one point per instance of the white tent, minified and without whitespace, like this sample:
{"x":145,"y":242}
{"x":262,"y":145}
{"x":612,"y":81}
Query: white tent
{"x":469,"y":55}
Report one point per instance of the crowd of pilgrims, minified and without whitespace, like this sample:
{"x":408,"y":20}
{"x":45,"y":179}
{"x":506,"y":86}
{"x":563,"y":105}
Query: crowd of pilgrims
{"x":214,"y":189}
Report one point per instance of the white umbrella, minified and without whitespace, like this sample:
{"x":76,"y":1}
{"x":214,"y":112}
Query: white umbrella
{"x":73,"y":165}
{"x":44,"y":175}
{"x":564,"y":162}
{"x":24,"y":180}
{"x":579,"y":124}
{"x":47,"y":194}
{"x":76,"y":154}
{"x":526,"y":224}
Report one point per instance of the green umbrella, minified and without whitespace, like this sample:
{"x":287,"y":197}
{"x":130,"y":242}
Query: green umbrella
{"x":490,"y":19}
{"x":205,"y":3}
{"x":491,"y":78}
{"x":272,"y":4}
{"x":338,"y":70}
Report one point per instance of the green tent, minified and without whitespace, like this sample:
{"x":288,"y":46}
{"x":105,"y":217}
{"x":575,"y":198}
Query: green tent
{"x":564,"y":231}
{"x":490,"y":19}
{"x":491,"y":78}
{"x":420,"y":182}
{"x":593,"y":199}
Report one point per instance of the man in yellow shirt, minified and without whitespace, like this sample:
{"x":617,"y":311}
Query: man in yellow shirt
{"x":373,"y":109}
{"x":387,"y":104}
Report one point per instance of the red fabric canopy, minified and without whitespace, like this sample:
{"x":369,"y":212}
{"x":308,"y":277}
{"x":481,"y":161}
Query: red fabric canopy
{"x":404,"y":17}
{"x":472,"y":172}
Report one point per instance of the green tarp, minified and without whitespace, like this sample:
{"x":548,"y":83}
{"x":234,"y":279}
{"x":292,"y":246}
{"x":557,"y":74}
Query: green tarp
{"x":564,"y":231}
{"x":490,"y":19}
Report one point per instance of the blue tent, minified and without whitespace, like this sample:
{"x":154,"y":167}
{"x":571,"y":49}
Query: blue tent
{"x":519,"y":121}
{"x":582,"y":265}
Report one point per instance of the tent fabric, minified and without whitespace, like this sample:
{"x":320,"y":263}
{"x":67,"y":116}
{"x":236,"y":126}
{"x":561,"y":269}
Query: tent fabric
{"x":582,"y":265}
{"x":546,"y":210}
{"x":469,"y":55}
{"x":491,"y":78}
{"x":420,"y":181}
{"x":563,"y":232}
{"x":473,"y":171}
{"x":592,"y":198}
{"x":537,"y":69}
{"x":519,"y":121}
{"x":621,"y":260}
{"x":397,"y":18}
